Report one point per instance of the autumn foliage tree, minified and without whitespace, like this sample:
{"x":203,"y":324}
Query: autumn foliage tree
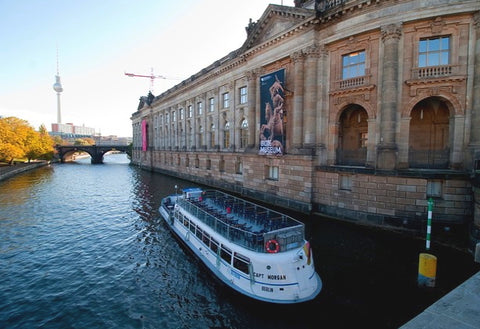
{"x":18,"y":140}
{"x":39,"y":145}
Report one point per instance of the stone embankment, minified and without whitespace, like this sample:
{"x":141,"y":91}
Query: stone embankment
{"x":7,"y":171}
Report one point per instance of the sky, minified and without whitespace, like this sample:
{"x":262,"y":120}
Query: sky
{"x":97,"y":42}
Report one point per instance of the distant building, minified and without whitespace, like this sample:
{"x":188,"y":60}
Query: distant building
{"x":112,"y":140}
{"x":357,"y":109}
{"x":68,"y":130}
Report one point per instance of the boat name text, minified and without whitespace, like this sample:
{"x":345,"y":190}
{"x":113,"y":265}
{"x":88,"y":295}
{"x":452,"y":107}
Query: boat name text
{"x":271,"y":276}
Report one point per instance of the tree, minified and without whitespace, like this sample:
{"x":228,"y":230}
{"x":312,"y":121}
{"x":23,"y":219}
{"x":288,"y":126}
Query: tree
{"x":84,"y":141}
{"x":33,"y":147}
{"x":13,"y":138}
{"x":129,"y":151}
{"x":39,"y":145}
{"x":48,"y":144}
{"x":18,"y":139}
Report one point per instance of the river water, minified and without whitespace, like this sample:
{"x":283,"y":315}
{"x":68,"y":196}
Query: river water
{"x":82,"y":246}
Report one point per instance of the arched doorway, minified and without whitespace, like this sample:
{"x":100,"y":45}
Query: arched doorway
{"x":353,"y":136}
{"x":429,"y":135}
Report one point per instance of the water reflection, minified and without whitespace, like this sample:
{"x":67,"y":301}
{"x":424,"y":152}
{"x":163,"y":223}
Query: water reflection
{"x":88,"y":249}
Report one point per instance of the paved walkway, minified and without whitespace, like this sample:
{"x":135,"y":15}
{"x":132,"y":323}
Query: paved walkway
{"x":459,"y":309}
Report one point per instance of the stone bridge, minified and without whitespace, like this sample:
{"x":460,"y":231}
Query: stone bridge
{"x":96,"y":151}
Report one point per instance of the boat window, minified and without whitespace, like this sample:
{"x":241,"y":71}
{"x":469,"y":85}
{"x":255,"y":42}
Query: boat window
{"x":199,"y":233}
{"x":214,"y":245}
{"x":192,"y":227}
{"x":185,"y":221}
{"x":241,"y":262}
{"x":206,"y":239}
{"x":226,"y":254}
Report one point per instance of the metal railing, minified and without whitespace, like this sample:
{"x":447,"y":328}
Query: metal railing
{"x":429,"y":159}
{"x":352,"y":157}
{"x":288,"y":232}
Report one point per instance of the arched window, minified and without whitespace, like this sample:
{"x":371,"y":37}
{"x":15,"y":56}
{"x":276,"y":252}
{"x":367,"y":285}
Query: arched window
{"x":212,"y":135}
{"x":353,"y":136}
{"x":244,"y":133}
{"x":200,"y":136}
{"x":226,"y":135}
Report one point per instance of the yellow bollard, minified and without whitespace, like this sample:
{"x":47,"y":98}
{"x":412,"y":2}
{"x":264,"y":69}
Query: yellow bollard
{"x":427,"y":270}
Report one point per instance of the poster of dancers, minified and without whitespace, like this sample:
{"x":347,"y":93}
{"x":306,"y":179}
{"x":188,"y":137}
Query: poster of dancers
{"x":272,"y":112}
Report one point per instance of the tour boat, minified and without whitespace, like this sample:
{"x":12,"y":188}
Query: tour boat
{"x":256,"y":251}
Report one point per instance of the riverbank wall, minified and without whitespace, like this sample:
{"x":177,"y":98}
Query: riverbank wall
{"x":10,"y":171}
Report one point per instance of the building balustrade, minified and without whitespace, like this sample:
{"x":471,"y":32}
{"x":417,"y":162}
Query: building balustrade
{"x":352,"y":83}
{"x":325,"y":5}
{"x":429,"y":159}
{"x":434,"y":71}
{"x":356,"y":157}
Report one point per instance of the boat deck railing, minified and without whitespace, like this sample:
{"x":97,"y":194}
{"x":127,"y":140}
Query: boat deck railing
{"x":245,"y":223}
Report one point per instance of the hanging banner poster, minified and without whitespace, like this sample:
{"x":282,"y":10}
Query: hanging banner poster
{"x":144,"y":135}
{"x":272,"y":111}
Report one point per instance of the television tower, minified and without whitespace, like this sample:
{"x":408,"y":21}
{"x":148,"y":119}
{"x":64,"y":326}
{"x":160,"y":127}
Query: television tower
{"x":57,"y":86}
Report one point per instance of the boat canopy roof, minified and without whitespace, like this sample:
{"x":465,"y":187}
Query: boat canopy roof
{"x":243,"y":222}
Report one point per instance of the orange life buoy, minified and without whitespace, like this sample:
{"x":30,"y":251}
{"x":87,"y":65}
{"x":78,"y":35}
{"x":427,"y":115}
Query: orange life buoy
{"x":272,"y":246}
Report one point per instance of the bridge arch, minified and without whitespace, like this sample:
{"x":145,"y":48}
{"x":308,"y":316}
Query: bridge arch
{"x":96,"y":152}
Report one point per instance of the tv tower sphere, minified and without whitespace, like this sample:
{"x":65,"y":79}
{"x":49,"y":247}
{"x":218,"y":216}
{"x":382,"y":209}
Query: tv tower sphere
{"x":57,"y":86}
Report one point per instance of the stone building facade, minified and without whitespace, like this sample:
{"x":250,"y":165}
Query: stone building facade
{"x":380,"y":111}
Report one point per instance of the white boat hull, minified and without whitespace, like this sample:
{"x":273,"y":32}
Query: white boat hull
{"x":285,"y":277}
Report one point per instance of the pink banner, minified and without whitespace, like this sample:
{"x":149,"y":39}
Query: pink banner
{"x":144,"y":135}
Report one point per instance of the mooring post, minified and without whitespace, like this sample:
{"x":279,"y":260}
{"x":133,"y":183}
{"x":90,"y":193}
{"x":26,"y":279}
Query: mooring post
{"x":429,"y":224}
{"x":427,"y":263}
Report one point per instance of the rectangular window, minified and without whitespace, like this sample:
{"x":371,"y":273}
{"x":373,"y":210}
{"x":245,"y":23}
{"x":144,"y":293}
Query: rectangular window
{"x":214,"y":245}
{"x":199,"y":233}
{"x":226,"y":254}
{"x":239,"y":166}
{"x":272,"y":172}
{"x":199,"y":108}
{"x":363,"y":139}
{"x":174,"y":116}
{"x":434,"y":52}
{"x":226,"y":100}
{"x":434,"y":189}
{"x":192,"y":227}
{"x":241,"y":262}
{"x":206,"y":239}
{"x":211,"y":105}
{"x":181,"y":114}
{"x":353,"y":65}
{"x":345,"y":182}
{"x":243,"y":95}
{"x":190,"y":111}
{"x":221,"y":165}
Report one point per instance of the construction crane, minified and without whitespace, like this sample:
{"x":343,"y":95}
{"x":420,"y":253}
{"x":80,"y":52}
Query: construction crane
{"x":152,"y":77}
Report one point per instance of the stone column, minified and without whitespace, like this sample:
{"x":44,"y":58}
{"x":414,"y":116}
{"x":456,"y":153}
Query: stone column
{"x":252,"y":108}
{"x":322,"y":106}
{"x":297,"y":113}
{"x":387,"y":148}
{"x":203,"y":122}
{"x":310,"y":99}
